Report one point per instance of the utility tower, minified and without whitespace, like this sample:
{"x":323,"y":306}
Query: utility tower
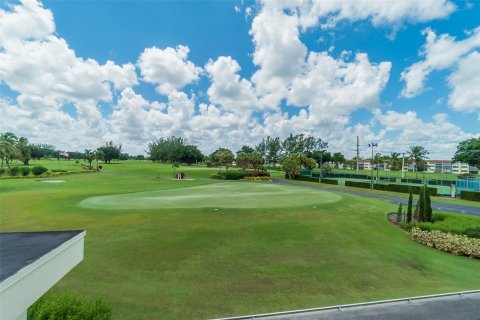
{"x":358,"y":153}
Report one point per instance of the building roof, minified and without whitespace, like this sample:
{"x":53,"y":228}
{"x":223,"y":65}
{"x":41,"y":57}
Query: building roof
{"x":19,"y":249}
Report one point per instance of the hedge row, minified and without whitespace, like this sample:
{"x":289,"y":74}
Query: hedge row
{"x":23,"y":171}
{"x":459,"y":245}
{"x":238,"y":174}
{"x":470,"y":195}
{"x":390,"y":187}
{"x":313,"y":179}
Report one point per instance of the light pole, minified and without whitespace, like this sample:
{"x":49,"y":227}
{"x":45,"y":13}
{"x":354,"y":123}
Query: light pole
{"x":372,"y":145}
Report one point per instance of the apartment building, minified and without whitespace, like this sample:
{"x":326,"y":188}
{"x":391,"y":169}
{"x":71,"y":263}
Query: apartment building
{"x":447,"y":166}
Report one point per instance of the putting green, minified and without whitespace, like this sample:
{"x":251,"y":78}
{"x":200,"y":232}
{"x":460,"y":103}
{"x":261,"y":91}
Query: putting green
{"x":221,"y":195}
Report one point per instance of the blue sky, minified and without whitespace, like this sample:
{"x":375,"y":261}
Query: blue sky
{"x":236,"y":80}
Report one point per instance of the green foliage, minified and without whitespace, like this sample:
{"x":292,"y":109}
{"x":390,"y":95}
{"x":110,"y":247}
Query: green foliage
{"x":402,"y":188}
{"x":38,"y":170}
{"x":468,"y":151}
{"x":428,"y":204}
{"x":459,"y":245}
{"x":239,"y":174}
{"x":25,"y":171}
{"x":329,"y":181}
{"x":473,"y":232}
{"x":69,"y":307}
{"x":470,"y":195}
{"x":293,"y":164}
{"x":2,"y":171}
{"x":230,"y":175}
{"x":14,"y":171}
{"x":224,"y":158}
{"x":174,"y":149}
{"x":357,"y":184}
{"x":58,"y":170}
{"x":450,"y":222}
{"x":409,"y":207}
{"x":399,"y":213}
{"x":249,"y":178}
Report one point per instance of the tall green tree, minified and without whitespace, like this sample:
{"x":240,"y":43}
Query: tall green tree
{"x":421,"y":205}
{"x":409,"y":207}
{"x":428,"y":205}
{"x":338,"y":158}
{"x":418,"y":154}
{"x":24,"y":152}
{"x":89,"y":156}
{"x":8,"y":147}
{"x":292,"y":164}
{"x":274,"y":149}
{"x":395,"y":161}
{"x":399,"y":213}
{"x":246,"y":149}
{"x":468,"y":151}
{"x":256,"y":159}
{"x":243,"y":160}
{"x":224,"y":158}
{"x":110,"y":151}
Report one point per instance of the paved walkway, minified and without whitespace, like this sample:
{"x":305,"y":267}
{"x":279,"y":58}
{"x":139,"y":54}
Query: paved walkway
{"x":465,"y":306}
{"x":441,"y":206}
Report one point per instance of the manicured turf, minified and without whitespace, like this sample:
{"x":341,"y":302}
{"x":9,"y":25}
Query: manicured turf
{"x":197,"y":263}
{"x":219,"y":195}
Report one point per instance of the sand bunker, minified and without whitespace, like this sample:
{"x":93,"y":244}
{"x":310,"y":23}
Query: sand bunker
{"x":53,"y":181}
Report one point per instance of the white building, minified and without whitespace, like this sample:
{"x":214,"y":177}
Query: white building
{"x":447,"y":166}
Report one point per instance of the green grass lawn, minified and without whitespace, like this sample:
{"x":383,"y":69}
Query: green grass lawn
{"x":183,"y":260}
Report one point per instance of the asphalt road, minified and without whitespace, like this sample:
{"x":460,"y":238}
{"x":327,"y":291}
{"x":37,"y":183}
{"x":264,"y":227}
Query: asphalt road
{"x":452,"y":306}
{"x":465,"y":307}
{"x":441,"y":206}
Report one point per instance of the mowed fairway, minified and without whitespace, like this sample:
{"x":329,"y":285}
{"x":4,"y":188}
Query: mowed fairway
{"x":221,"y":195}
{"x":200,"y":257}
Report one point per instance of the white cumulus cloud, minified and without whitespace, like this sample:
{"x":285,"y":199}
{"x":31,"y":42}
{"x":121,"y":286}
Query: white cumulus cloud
{"x":169,"y":68}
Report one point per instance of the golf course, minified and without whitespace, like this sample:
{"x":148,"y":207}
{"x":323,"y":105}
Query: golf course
{"x":158,"y":248}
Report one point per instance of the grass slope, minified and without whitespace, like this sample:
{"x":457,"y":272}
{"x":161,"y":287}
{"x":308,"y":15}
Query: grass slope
{"x":196,"y":263}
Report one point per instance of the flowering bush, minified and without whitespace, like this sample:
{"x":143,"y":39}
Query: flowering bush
{"x":249,"y":178}
{"x":459,"y":245}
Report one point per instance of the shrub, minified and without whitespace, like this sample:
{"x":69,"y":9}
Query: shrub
{"x":250,"y":178}
{"x":60,"y":307}
{"x":402,"y":188}
{"x":473,"y":232}
{"x":217,"y":176}
{"x":258,"y":174}
{"x":38,"y":170}
{"x":58,"y":170}
{"x":230,"y":175}
{"x":2,"y":171}
{"x":25,"y":171}
{"x":399,"y":213}
{"x":329,"y":181}
{"x":470,"y":195}
{"x":357,"y":184}
{"x":14,"y":171}
{"x":459,"y":245}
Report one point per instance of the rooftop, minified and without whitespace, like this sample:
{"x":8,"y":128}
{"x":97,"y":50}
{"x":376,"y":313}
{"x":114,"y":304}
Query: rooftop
{"x":19,"y":249}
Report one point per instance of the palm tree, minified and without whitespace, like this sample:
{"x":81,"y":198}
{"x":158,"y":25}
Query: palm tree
{"x":395,"y":161}
{"x":8,"y":147}
{"x":417,"y":154}
{"x":89,"y":156}
{"x":24,"y":152}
